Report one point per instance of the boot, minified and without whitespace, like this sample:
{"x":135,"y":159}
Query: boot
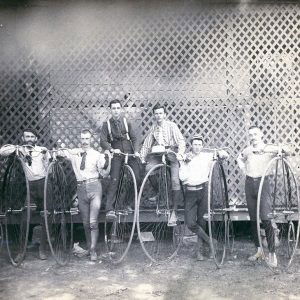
{"x":94,"y":240}
{"x":176,"y":197}
{"x":199,"y":251}
{"x":43,"y":242}
{"x":87,"y":233}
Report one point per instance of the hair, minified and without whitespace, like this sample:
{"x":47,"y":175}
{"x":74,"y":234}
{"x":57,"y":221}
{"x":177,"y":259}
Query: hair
{"x":85,"y":131}
{"x":114,"y":102}
{"x":31,"y":130}
{"x":253,"y":127}
{"x":197,"y":138}
{"x":158,"y":106}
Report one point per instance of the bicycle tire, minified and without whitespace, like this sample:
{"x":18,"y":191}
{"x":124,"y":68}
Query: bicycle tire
{"x":16,"y":197}
{"x":284,"y":202}
{"x":119,"y":232}
{"x":1,"y":237}
{"x":57,"y":215}
{"x":217,"y":213}
{"x":156,"y":237}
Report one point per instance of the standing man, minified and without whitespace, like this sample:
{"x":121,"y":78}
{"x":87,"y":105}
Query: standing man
{"x":194,"y":174}
{"x":88,"y":165}
{"x":35,"y":162}
{"x":166,"y":134}
{"x":253,"y":161}
{"x":118,"y":135}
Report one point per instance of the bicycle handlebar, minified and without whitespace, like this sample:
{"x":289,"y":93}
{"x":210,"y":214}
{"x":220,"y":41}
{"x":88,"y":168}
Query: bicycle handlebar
{"x":18,"y":149}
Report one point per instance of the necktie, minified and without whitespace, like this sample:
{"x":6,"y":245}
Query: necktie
{"x":83,"y":159}
{"x":29,"y":158}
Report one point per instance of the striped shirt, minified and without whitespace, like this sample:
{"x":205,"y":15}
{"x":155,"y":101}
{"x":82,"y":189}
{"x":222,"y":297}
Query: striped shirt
{"x":166,"y":134}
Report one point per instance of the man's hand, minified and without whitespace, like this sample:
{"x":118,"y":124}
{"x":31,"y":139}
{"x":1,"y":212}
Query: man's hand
{"x":179,"y":156}
{"x":137,"y":154}
{"x":116,"y":151}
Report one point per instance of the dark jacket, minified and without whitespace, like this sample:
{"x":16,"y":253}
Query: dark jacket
{"x":120,"y":140}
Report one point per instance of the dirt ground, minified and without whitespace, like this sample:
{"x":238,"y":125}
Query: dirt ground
{"x":136,"y":278}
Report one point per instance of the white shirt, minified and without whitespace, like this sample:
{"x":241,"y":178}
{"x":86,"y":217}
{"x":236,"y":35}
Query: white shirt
{"x":253,"y":161}
{"x":196,"y":171}
{"x":93,"y":165}
{"x":39,"y":160}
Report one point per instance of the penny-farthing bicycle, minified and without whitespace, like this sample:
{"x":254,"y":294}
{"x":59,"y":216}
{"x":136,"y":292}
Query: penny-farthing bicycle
{"x":218,"y":216}
{"x":119,"y":231}
{"x":159,"y":241}
{"x":280,"y":189}
{"x":57,"y":210}
{"x":16,"y":205}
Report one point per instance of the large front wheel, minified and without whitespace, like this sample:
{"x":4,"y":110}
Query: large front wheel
{"x":16,"y":197}
{"x":57,"y":214}
{"x":119,"y":232}
{"x":159,"y":241}
{"x":218,"y":225}
{"x":277,"y":208}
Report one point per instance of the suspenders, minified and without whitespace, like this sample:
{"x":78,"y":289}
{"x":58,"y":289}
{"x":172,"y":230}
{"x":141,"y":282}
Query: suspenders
{"x":126,"y":128}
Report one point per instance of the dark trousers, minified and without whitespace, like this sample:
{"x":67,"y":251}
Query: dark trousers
{"x":116,"y":165}
{"x":251,"y":189}
{"x":195,"y":208}
{"x":36,"y":189}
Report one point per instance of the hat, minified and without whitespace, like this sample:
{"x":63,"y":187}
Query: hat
{"x":197,"y":137}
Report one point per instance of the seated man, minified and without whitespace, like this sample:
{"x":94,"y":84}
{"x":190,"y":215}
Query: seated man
{"x":36,"y":161}
{"x":166,"y":134}
{"x":194,"y":173}
{"x":88,"y":165}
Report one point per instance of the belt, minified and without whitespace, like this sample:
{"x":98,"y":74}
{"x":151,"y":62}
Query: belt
{"x":195,"y":187}
{"x":87,"y":180}
{"x":254,"y":178}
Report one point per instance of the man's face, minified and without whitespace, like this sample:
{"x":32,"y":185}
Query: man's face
{"x":115,"y":110}
{"x":159,"y":115}
{"x":197,"y":146}
{"x":29,"y":138}
{"x":255,"y":136}
{"x":85,"y":139}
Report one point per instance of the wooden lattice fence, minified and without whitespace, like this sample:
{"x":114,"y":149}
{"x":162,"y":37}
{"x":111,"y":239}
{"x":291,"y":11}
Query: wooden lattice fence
{"x":216,"y":68}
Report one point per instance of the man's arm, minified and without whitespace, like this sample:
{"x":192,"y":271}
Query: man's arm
{"x":101,"y":163}
{"x":104,"y":134}
{"x":134,"y":137}
{"x":7,"y":150}
{"x":146,"y":146}
{"x":179,"y":139}
{"x":241,"y":159}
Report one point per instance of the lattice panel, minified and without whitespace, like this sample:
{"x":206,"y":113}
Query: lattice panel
{"x":217,"y":69}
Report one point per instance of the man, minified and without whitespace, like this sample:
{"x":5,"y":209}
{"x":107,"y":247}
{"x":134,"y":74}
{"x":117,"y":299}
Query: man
{"x":194,"y":174}
{"x":118,"y":135}
{"x":166,"y":134}
{"x":253,"y":161}
{"x":88,"y":165}
{"x":36,"y":161}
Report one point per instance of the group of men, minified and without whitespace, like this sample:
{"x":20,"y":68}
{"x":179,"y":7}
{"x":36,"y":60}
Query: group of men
{"x":191,"y":169}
